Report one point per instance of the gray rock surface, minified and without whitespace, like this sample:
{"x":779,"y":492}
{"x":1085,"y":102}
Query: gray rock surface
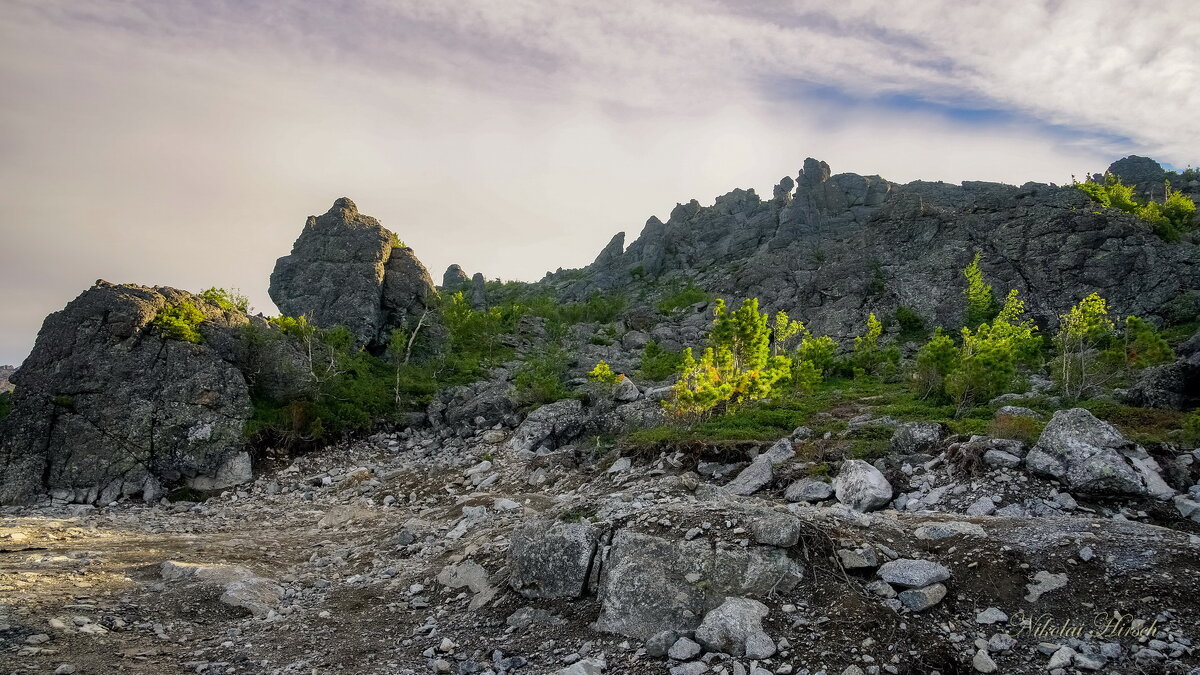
{"x":921,"y":599}
{"x":106,"y":407}
{"x":808,"y":490}
{"x":553,"y":559}
{"x":861,"y":486}
{"x":913,"y":437}
{"x":650,"y":584}
{"x":1091,"y":457}
{"x":346,"y":269}
{"x":913,"y":573}
{"x":735,"y":628}
{"x":551,"y":425}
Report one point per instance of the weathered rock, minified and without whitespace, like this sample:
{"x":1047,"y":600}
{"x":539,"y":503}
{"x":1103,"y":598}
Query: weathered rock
{"x":735,"y":628}
{"x":808,"y":490}
{"x":650,"y":584}
{"x":777,"y":529}
{"x":914,"y":437}
{"x":1091,"y":457}
{"x":241,"y":587}
{"x":554,"y":559}
{"x":913,"y":573}
{"x":683,"y":649}
{"x":883,"y":245}
{"x":346,"y":269}
{"x":455,"y":279}
{"x":553,"y":425}
{"x":861,"y":486}
{"x":921,"y":599}
{"x":1172,"y":386}
{"x":107,"y":407}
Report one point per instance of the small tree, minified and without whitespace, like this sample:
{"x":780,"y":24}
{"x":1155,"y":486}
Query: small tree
{"x":1142,"y":346}
{"x":736,"y":366}
{"x":869,"y":355}
{"x":1082,"y":331}
{"x":603,"y":373}
{"x":981,"y":302}
{"x":935,"y":360}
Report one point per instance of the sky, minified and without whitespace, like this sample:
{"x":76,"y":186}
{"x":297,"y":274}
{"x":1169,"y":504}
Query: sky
{"x":185,"y":143}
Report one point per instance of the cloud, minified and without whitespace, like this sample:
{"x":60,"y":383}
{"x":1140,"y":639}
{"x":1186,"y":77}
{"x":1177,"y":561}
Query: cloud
{"x":185,"y":143}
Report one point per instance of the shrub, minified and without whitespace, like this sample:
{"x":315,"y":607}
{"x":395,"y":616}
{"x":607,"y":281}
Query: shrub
{"x":1170,"y":218}
{"x":1024,"y":429}
{"x":1142,"y":346}
{"x":542,"y":379}
{"x":935,"y":360}
{"x":179,"y":322}
{"x":1191,"y":430}
{"x":912,"y":326}
{"x":682,"y":299}
{"x":228,"y":300}
{"x":659,"y":363}
{"x":981,"y":302}
{"x":5,"y":404}
{"x":736,"y":366}
{"x":604,"y":374}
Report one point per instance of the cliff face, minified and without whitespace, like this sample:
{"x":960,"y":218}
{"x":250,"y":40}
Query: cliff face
{"x":345,"y":268}
{"x":830,"y":248}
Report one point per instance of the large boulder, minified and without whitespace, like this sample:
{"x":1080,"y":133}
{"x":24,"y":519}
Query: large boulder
{"x":1089,"y":456}
{"x":107,"y":405}
{"x":651,"y":584}
{"x":552,"y":425}
{"x":554,"y":559}
{"x":347,"y":269}
{"x":861,"y":486}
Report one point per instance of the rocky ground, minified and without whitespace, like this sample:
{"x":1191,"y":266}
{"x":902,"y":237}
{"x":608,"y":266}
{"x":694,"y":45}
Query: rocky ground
{"x":493,"y":552}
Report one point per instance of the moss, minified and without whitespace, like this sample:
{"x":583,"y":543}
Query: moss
{"x":682,"y":298}
{"x":5,"y":404}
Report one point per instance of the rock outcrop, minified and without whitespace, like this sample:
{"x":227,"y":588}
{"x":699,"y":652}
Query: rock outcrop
{"x":1091,"y":457}
{"x":832,"y":247}
{"x":106,"y":406}
{"x":347,"y":269}
{"x":6,"y":373}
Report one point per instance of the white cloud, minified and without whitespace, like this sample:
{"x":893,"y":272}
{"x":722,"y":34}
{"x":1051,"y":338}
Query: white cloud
{"x":185,"y":144}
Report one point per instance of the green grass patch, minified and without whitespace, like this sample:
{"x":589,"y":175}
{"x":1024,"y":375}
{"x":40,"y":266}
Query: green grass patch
{"x":682,"y":299}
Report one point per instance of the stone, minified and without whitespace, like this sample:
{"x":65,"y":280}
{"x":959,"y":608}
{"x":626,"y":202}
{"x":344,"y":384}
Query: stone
{"x":1089,"y":456}
{"x":777,"y":529}
{"x":683,"y":649}
{"x":108,"y":406}
{"x":735,"y":628}
{"x":553,"y":559}
{"x":857,"y":559}
{"x":861,"y":486}
{"x":984,"y":506}
{"x":661,"y":642}
{"x":692,"y":668}
{"x":1061,"y":658}
{"x":589,"y":666}
{"x":921,"y":599}
{"x":808,"y":490}
{"x":1018,"y":411}
{"x":626,"y":390}
{"x":1001,"y":642}
{"x":471,"y":575}
{"x":914,"y":437}
{"x":982,"y":662}
{"x":552,"y":425}
{"x":1043,"y":583}
{"x":241,"y":588}
{"x":346,"y":269}
{"x":913,"y":573}
{"x":751,"y":479}
{"x":1002,"y":459}
{"x":949,"y":528}
{"x":991,"y":615}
